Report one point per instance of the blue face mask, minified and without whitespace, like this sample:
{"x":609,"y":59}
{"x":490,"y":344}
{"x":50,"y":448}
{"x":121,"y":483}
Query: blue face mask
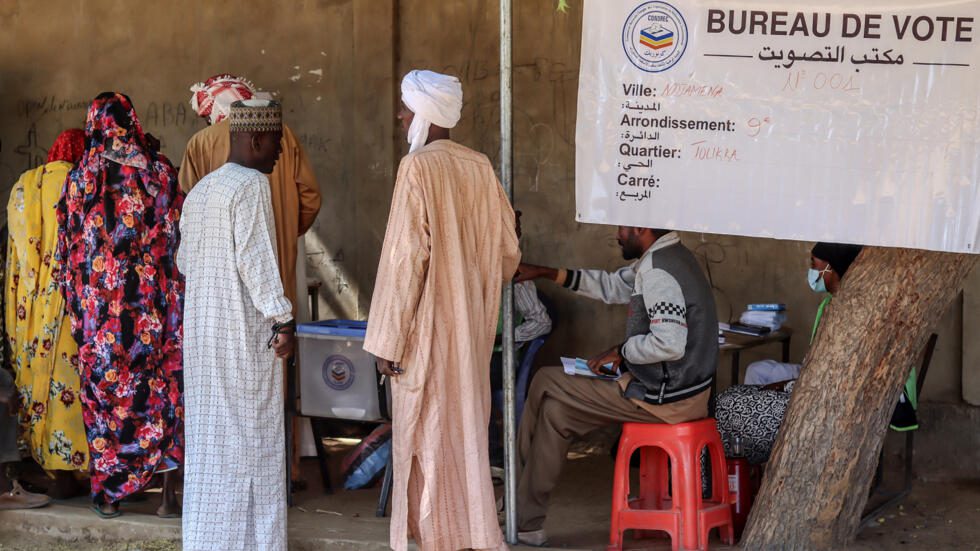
{"x":815,"y":279}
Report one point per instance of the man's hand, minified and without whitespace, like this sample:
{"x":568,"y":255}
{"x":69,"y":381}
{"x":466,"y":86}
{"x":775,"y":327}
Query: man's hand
{"x":527,"y":272}
{"x":284,"y":345}
{"x":609,"y":356}
{"x":388,"y":368}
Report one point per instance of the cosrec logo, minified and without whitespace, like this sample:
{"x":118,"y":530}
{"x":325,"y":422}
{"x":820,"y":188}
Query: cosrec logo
{"x":338,"y":372}
{"x":655,"y":36}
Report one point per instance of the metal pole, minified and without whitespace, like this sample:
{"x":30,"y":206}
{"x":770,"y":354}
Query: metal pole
{"x":507,"y":177}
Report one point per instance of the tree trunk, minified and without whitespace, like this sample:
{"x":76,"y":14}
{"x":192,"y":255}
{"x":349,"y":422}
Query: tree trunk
{"x":817,"y":480}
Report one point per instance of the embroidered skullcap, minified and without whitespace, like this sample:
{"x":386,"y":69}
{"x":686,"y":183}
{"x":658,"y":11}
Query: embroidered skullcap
{"x":434,"y":99}
{"x":212,"y":98}
{"x":256,"y":115}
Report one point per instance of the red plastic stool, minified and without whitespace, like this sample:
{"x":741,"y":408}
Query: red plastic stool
{"x":685,"y":516}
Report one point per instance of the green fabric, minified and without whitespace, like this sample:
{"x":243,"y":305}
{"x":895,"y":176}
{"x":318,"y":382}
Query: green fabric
{"x":909,"y":428}
{"x":816,"y":322}
{"x":911,"y":392}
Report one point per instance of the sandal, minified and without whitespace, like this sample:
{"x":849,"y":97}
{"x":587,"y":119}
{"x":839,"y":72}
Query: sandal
{"x":104,"y":515}
{"x":19,"y":498}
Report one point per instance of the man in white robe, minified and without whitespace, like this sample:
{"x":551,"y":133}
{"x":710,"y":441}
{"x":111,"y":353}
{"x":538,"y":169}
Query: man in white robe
{"x":237,"y":320}
{"x":449,"y":246}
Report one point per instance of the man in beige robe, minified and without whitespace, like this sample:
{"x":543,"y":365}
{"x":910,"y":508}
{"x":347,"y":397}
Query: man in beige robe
{"x":449,"y":246}
{"x":295,"y":194}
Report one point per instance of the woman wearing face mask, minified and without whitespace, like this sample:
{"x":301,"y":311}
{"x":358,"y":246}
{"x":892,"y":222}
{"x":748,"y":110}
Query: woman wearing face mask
{"x":753,"y":411}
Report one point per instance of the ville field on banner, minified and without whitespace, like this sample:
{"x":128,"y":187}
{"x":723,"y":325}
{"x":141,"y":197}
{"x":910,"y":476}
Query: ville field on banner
{"x":783,"y":120}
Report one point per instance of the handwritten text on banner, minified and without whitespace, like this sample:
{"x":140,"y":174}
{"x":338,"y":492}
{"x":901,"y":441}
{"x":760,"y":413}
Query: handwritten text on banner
{"x":782,"y":120}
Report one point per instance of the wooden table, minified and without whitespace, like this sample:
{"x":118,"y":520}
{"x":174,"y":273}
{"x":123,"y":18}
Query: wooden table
{"x":735,"y":343}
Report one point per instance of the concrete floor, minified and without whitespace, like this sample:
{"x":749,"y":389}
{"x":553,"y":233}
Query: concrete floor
{"x":935,"y":516}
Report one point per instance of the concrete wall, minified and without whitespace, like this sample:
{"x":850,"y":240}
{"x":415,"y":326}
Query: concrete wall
{"x":323,"y":59}
{"x":58,"y":54}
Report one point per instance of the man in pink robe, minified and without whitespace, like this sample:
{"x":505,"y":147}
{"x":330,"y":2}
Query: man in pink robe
{"x":449,"y":246}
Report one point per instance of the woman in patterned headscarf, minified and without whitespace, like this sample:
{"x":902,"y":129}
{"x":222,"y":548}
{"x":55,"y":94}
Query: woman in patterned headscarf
{"x":43,"y":353}
{"x":119,"y":216}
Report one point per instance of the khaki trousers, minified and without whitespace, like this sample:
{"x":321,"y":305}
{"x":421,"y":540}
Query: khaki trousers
{"x":560,"y":409}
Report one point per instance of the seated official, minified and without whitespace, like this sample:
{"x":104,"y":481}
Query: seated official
{"x":753,"y":412}
{"x":668,"y":359}
{"x":828,"y":264}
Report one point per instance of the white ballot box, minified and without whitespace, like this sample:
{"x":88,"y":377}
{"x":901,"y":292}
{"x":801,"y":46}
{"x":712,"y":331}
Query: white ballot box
{"x":338,"y":378}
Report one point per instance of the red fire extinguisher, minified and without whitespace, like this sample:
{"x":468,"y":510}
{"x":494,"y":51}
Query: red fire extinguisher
{"x":739,"y":487}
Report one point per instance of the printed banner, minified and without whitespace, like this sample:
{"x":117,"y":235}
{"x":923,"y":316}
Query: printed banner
{"x":783,"y":120}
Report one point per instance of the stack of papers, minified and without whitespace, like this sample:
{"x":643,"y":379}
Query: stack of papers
{"x":580,"y":367}
{"x":772,"y":316}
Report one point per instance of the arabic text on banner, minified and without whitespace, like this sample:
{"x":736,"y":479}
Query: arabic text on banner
{"x":783,"y":120}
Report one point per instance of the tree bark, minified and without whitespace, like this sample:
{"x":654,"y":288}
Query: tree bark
{"x":817,"y":480}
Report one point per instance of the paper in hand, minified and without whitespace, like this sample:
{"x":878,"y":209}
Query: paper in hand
{"x":580,"y":367}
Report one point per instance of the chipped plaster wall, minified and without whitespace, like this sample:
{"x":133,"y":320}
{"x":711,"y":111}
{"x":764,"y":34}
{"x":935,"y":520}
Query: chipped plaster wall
{"x":58,"y":54}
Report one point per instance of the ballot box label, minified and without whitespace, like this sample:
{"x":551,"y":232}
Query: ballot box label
{"x":338,"y":372}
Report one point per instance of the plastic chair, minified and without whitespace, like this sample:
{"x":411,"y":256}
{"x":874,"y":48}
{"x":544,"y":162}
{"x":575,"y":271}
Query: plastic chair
{"x":686,"y":516}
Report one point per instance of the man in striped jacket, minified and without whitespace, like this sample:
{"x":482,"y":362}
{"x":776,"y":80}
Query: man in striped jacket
{"x":667,"y":359}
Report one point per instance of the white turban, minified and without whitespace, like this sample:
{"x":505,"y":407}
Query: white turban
{"x":435,"y":99}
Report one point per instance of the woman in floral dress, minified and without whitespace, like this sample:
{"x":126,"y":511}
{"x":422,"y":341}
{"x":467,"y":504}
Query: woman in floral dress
{"x":43,"y":353}
{"x":119,"y":215}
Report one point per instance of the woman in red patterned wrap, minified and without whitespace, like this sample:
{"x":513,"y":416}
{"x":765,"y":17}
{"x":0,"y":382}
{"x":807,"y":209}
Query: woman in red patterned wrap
{"x":119,"y":217}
